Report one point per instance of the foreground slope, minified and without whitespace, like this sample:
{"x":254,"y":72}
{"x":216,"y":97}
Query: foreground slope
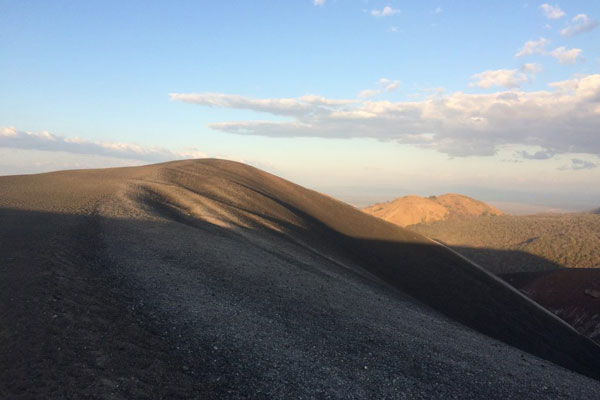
{"x":410,"y":210}
{"x":213,"y":279}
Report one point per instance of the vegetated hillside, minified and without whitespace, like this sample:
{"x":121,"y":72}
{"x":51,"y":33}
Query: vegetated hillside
{"x":596,"y":211}
{"x":573,"y":294}
{"x":409,"y":210}
{"x":212,"y":279}
{"x":554,"y":241}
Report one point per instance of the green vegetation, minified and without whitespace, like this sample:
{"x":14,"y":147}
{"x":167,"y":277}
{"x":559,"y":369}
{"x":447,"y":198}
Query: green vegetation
{"x":522,"y":243}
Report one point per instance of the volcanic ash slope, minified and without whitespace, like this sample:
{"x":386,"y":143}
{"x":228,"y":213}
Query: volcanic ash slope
{"x":209,"y":278}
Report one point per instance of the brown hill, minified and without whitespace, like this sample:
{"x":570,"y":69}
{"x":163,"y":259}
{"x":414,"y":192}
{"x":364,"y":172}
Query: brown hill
{"x":212,"y":279}
{"x":463,"y":206}
{"x":410,"y":210}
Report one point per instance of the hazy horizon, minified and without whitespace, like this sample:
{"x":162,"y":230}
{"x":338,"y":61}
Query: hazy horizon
{"x":365,"y":101}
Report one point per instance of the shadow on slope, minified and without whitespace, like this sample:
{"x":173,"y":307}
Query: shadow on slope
{"x":500,"y":261}
{"x":310,"y":286}
{"x":75,"y":320}
{"x":70,"y":327}
{"x":573,"y":294}
{"x":470,"y":295}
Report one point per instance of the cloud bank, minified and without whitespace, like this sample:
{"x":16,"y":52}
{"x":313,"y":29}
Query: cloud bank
{"x":563,"y":119}
{"x":12,"y":138}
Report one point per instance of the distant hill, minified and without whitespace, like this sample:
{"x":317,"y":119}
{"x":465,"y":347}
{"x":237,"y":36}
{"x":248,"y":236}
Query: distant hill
{"x":560,"y":240}
{"x":410,"y":210}
{"x":515,"y":208}
{"x":596,"y":211}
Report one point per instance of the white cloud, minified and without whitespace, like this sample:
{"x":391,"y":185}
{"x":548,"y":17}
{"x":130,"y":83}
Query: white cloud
{"x":319,"y":2}
{"x":533,"y":47}
{"x":566,"y":56}
{"x":532,"y":68}
{"x":384,"y":85}
{"x":388,"y":85}
{"x":11,"y":137}
{"x":322,"y":101}
{"x":368,"y":93}
{"x":562,"y":54}
{"x":509,"y":78}
{"x":286,"y":107}
{"x":564,"y":119}
{"x":9,"y":131}
{"x":552,"y":12}
{"x":438,"y":10}
{"x":385,"y":12}
{"x":585,"y":87}
{"x":580,"y":23}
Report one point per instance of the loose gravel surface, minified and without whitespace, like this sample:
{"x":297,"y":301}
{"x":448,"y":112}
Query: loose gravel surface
{"x":210,"y":279}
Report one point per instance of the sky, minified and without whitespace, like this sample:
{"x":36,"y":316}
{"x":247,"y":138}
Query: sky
{"x":363,"y":100}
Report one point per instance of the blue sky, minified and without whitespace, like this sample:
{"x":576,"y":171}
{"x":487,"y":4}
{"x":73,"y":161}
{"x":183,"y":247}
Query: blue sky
{"x":369,"y":99}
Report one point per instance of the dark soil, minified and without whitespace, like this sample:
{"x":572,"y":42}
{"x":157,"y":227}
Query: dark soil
{"x":211,"y":279}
